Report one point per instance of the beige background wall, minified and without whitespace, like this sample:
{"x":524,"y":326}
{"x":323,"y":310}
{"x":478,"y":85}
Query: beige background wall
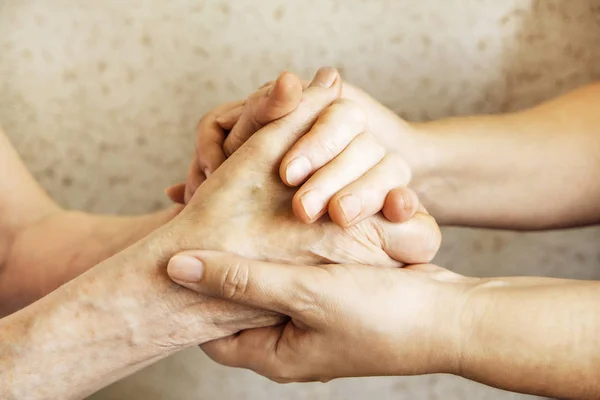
{"x":101,"y":99}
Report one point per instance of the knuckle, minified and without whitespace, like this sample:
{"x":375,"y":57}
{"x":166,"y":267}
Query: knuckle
{"x":329,"y":146}
{"x":352,"y":111}
{"x":374,"y":145}
{"x":394,"y":160}
{"x":397,"y":163}
{"x":235,"y":281}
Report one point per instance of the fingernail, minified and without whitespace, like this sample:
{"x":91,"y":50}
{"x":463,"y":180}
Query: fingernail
{"x":221,"y":119}
{"x":351,"y":207}
{"x":312,"y":203}
{"x":297,"y":170}
{"x":273,"y":84}
{"x":207,"y":172}
{"x":325,"y":77}
{"x":185,"y":268}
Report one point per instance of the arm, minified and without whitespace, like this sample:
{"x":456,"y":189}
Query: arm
{"x":107,"y":323}
{"x":43,"y":246}
{"x":533,"y":169}
{"x":125,"y":312}
{"x":531,"y":335}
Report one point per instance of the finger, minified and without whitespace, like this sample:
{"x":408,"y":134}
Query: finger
{"x":276,"y":287}
{"x":270,"y":83}
{"x":229,"y":119}
{"x":401,"y":204}
{"x":194,"y":180}
{"x":264,"y":107}
{"x":264,"y":351}
{"x":415,"y":241}
{"x":367,"y":195}
{"x":176,"y":193}
{"x":272,"y":141}
{"x":329,"y":136}
{"x":252,"y":349}
{"x":311,"y":200}
{"x":210,"y":139}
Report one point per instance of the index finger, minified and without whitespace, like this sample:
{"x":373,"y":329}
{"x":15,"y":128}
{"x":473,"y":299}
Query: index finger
{"x":210,"y":138}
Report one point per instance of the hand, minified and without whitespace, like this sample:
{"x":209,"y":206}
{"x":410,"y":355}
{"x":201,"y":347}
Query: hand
{"x":350,"y":174}
{"x":233,"y":127}
{"x":249,"y":227}
{"x":242,"y":119}
{"x":345,"y":320}
{"x":35,"y":266}
{"x":244,"y":208}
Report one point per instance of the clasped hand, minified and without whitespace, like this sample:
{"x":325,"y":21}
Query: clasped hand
{"x":343,"y":319}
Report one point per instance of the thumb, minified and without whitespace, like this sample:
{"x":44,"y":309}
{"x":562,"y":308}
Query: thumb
{"x":271,"y":142}
{"x":264,"y":106}
{"x":270,"y":286}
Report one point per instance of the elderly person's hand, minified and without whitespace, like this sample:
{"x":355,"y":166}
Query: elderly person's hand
{"x":224,"y":129}
{"x":129,"y":303}
{"x":345,"y":320}
{"x":246,"y":209}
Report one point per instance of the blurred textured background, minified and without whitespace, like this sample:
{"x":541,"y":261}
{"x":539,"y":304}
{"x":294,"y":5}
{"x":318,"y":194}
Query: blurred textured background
{"x":101,"y":99}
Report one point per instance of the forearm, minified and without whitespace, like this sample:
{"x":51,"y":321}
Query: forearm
{"x":107,"y":323}
{"x":115,"y":318}
{"x":43,"y":246}
{"x":533,"y":169}
{"x":64,"y":245}
{"x":533,"y":335}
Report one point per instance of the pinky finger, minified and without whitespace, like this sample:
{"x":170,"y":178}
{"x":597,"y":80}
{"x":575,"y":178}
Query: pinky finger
{"x":228,"y":120}
{"x":176,"y":193}
{"x":194,"y":180}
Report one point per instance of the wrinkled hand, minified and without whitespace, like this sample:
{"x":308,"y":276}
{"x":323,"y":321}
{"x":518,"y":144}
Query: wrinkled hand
{"x":224,"y":131}
{"x":345,"y":320}
{"x":245,"y":208}
{"x":225,"y":128}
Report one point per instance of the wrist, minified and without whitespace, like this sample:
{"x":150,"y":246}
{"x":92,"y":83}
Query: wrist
{"x":451,"y":324}
{"x":426,"y":155}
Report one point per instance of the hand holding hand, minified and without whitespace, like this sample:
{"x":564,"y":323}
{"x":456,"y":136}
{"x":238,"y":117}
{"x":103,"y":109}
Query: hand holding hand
{"x":376,"y":128}
{"x":345,"y":320}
